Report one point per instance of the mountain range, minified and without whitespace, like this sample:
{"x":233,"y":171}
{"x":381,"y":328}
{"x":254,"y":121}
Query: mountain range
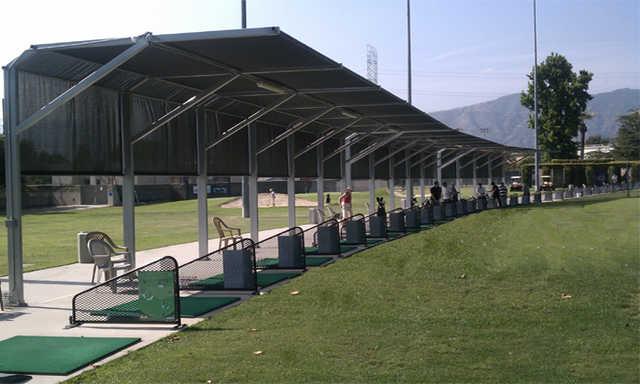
{"x":504,"y":120}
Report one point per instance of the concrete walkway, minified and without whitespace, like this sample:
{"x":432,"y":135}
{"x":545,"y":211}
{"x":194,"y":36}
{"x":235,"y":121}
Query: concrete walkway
{"x":49,"y":293}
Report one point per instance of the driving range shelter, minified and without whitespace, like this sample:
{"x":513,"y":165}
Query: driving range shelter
{"x":250,"y":102}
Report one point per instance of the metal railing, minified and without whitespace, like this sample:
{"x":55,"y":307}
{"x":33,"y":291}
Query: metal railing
{"x":327,"y":223}
{"x":295,"y":231}
{"x":206,"y":273}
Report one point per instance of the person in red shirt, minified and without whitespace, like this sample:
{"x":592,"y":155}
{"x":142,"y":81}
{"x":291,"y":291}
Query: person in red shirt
{"x":345,"y":203}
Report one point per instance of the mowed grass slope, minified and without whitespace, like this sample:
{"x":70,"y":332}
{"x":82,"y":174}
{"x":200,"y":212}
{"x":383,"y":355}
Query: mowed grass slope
{"x":477,"y":300}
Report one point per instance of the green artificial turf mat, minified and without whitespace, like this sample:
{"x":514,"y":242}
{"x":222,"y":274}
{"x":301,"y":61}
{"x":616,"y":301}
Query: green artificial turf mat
{"x":267,"y":279}
{"x":316,"y":261}
{"x":374,"y":241}
{"x":194,"y":306}
{"x":190,"y":306}
{"x":267,"y":263}
{"x":343,"y":249}
{"x":264,"y":280}
{"x":56,"y":355}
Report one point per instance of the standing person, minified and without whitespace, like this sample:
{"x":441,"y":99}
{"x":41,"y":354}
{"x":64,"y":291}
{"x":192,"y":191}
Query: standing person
{"x":481,"y":193}
{"x":445,"y":192}
{"x":502,"y":190}
{"x":328,"y":199}
{"x":495,"y":194}
{"x":453,"y":192}
{"x":345,"y":203}
{"x":436,"y":193}
{"x":273,"y":197}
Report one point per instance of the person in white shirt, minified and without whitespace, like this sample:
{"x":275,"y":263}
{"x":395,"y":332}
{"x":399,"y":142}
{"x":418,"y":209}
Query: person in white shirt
{"x":445,"y":192}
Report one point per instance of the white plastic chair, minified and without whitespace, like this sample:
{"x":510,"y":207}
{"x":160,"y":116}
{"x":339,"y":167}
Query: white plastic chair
{"x":105,"y":260}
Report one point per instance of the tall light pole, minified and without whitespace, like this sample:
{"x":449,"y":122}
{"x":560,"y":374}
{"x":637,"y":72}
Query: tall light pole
{"x":244,"y":13}
{"x":536,"y":159}
{"x":409,"y":51}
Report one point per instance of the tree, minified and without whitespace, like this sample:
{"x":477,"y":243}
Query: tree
{"x":583,"y":130}
{"x":562,"y":101}
{"x":627,"y":145}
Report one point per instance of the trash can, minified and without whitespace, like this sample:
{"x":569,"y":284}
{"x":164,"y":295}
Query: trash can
{"x":426,"y":215}
{"x":436,"y":212}
{"x":83,"y":252}
{"x":471,"y":205}
{"x":356,"y":232}
{"x":328,"y":240}
{"x":513,"y":201}
{"x":463,"y":207}
{"x":396,"y":222}
{"x":412,"y":220}
{"x":237,"y":266}
{"x":377,"y":226}
{"x":290,"y":253}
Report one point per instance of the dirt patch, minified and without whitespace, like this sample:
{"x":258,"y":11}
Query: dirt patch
{"x":265,"y":201}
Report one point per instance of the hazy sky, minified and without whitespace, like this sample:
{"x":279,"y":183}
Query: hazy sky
{"x":464,"y":51}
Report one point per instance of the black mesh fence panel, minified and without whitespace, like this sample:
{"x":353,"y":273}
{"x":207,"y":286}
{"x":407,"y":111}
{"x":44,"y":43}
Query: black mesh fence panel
{"x":207,"y":273}
{"x":148,"y":294}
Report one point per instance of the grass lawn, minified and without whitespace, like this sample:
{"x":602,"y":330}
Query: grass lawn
{"x":50,"y":238}
{"x":477,"y":300}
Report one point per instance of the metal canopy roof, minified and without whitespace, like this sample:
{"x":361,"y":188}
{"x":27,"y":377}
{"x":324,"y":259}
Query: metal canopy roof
{"x":260,"y":76}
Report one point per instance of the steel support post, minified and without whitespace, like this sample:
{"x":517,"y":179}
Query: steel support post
{"x":244,"y":190}
{"x":372,"y":184}
{"x":392,"y":187}
{"x":203,"y":213}
{"x":475,"y":170}
{"x":422,"y":183}
{"x":291,"y":183}
{"x":347,"y":164}
{"x":13,"y":189}
{"x":502,"y":170}
{"x":128,"y":182}
{"x":252,"y":184}
{"x":490,"y":169}
{"x":439,"y":165}
{"x":320,"y":180}
{"x":458,"y":174}
{"x":408,"y":185}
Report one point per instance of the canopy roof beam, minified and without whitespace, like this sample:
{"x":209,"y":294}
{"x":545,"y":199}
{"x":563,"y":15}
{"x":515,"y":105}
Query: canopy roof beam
{"x":326,"y":136}
{"x":414,"y":154}
{"x":141,"y":43}
{"x":365,"y":152}
{"x":255,"y":116}
{"x":181,"y":109}
{"x":394,"y":152}
{"x":451,"y":161}
{"x":423,"y":159}
{"x":295,"y":127}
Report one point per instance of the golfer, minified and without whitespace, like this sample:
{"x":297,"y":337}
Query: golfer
{"x":345,"y":203}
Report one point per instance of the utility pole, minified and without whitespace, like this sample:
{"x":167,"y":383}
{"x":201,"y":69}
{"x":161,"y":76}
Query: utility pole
{"x":409,"y":51}
{"x":535,"y":99}
{"x":244,"y":13}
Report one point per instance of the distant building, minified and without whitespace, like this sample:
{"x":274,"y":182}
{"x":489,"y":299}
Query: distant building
{"x":596,"y":150}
